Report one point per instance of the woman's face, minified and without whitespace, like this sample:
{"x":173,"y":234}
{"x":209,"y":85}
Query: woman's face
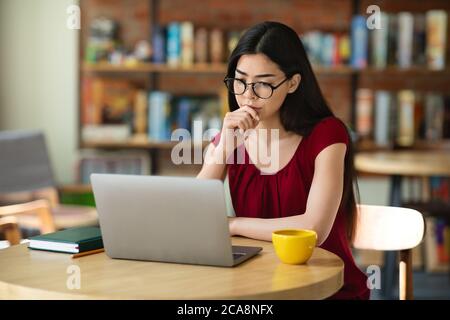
{"x":259,"y":68}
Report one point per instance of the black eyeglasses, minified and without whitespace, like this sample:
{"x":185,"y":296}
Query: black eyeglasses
{"x":262,"y":90}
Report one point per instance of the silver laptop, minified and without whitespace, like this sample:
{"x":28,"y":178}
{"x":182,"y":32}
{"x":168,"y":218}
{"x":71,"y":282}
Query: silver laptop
{"x":167,"y":219}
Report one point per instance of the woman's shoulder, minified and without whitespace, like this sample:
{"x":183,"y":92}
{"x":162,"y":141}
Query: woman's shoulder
{"x":327,"y":124}
{"x":326,"y":132}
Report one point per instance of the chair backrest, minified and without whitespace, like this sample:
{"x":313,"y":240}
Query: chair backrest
{"x":388,"y":228}
{"x":24,"y":162}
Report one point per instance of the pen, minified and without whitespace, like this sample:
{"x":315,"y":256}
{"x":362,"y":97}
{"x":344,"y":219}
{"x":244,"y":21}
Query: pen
{"x":86,"y":253}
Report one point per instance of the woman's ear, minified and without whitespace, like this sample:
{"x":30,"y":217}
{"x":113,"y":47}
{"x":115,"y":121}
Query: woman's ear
{"x":294,"y":82}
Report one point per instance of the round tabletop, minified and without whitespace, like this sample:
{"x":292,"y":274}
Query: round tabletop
{"x":411,"y":163}
{"x":31,"y":274}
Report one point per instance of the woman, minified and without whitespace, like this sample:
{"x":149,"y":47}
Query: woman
{"x":310,"y":184}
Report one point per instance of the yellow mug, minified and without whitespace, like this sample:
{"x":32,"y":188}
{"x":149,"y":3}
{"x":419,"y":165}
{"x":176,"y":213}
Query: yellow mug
{"x":294,"y":246}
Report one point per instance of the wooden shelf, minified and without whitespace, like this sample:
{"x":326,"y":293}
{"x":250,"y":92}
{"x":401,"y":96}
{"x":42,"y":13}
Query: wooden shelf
{"x":221,"y":68}
{"x":208,"y":68}
{"x":363,"y":146}
{"x":369,"y":146}
{"x":154,"y":67}
{"x":394,"y":70}
{"x":138,"y":144}
{"x":334,"y":70}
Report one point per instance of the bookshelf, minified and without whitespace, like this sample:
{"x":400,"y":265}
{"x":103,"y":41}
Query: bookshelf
{"x":340,"y":83}
{"x":209,"y":68}
{"x":153,"y":67}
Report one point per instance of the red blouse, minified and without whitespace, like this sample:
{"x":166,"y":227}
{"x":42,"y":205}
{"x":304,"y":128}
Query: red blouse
{"x":285,"y":194}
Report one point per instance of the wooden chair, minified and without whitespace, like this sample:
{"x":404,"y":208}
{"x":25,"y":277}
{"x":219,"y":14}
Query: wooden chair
{"x":391,"y":229}
{"x":28,"y":195}
{"x":10,"y":228}
{"x":9,"y":221}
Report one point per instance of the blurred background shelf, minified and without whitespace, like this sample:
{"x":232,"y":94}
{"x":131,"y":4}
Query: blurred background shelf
{"x":142,"y":144}
{"x":208,"y":68}
{"x":138,"y":59}
{"x":219,"y":68}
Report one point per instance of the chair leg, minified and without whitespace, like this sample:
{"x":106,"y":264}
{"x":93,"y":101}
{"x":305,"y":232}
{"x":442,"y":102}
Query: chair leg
{"x":406,"y":279}
{"x":390,"y":274}
{"x":390,"y":257}
{"x":12,"y":233}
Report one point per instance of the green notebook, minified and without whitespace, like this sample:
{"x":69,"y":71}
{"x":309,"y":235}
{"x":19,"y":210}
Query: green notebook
{"x":74,"y":240}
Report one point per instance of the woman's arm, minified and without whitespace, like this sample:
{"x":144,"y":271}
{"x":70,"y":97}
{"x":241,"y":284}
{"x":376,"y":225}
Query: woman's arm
{"x":321,"y":208}
{"x":214,"y":164}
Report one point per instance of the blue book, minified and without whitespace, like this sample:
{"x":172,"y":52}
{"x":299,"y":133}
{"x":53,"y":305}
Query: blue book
{"x":159,"y":45}
{"x":174,"y":44}
{"x":327,"y":50}
{"x":184,"y":107}
{"x":159,"y":116}
{"x":359,"y":40}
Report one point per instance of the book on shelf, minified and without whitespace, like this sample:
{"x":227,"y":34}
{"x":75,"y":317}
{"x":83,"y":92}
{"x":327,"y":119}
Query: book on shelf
{"x":392,"y":39}
{"x":312,"y":42}
{"x":405,"y":39}
{"x":201,"y":45}
{"x":183,"y":44}
{"x":216,"y":46}
{"x":382,"y":132}
{"x":364,"y":112}
{"x":140,"y":113}
{"x":105,"y":132}
{"x":103,"y":35}
{"x":158,"y":116}
{"x":436,"y":38}
{"x":107,"y":101}
{"x":401,"y":118}
{"x":183,"y":113}
{"x":118,"y":162}
{"x":437,"y":245}
{"x":326,"y":49}
{"x":233,"y":39}
{"x":91,"y":108}
{"x":359,"y":41}
{"x":379,"y":43}
{"x":187,"y":44}
{"x":434,"y":114}
{"x":437,"y":236}
{"x":419,"y":40}
{"x":169,"y":112}
{"x":74,"y":240}
{"x":173,"y":44}
{"x":158,"y":44}
{"x":405,"y":129}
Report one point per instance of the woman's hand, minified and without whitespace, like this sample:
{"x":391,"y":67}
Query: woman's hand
{"x":234,"y":126}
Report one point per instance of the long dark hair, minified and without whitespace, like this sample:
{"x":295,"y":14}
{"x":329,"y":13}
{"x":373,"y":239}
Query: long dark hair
{"x":304,"y":108}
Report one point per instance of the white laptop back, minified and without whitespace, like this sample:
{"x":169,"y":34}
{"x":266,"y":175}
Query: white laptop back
{"x":169,"y":219}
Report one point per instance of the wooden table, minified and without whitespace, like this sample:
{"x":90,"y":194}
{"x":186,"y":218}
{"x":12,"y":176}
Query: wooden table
{"x":396,"y":165}
{"x":407,"y":163}
{"x":29,"y":274}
